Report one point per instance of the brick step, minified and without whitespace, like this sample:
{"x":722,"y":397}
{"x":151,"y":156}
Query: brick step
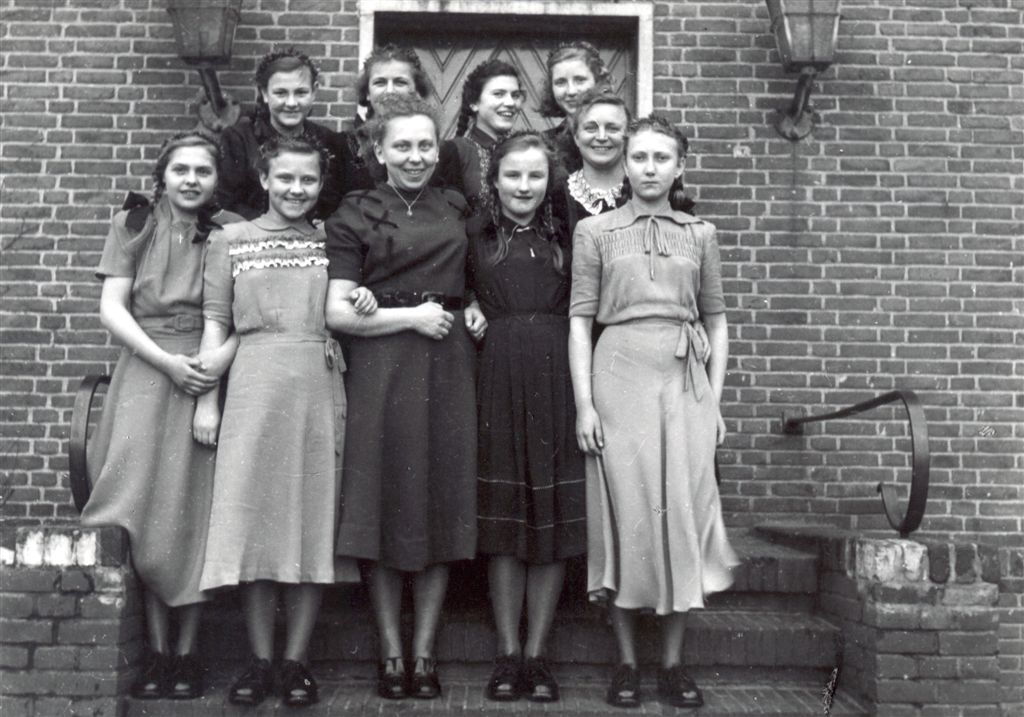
{"x":348,"y":689}
{"x":714,"y":638}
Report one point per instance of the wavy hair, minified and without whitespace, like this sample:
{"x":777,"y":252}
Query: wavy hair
{"x":576,"y":50}
{"x":519,"y":142}
{"x":474,"y":85}
{"x":182,"y":139}
{"x":594,"y":97}
{"x":392,"y":53}
{"x":286,"y":60}
{"x":276,"y":146}
{"x":677,"y":198}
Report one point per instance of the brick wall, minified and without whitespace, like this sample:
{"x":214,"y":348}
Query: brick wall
{"x":882,"y":252}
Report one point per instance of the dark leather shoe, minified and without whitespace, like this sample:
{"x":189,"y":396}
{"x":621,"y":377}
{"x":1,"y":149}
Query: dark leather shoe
{"x":154,"y":680}
{"x":298,"y":688}
{"x":186,"y":681}
{"x":424,"y":683}
{"x":253,"y":686}
{"x":538,"y":683}
{"x":677,"y":688}
{"x":624,"y":691}
{"x":505,"y":684}
{"x":391,"y":679}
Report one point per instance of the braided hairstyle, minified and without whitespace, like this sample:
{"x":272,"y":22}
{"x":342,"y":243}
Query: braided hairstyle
{"x":576,"y":50}
{"x":285,"y":60}
{"x":677,"y":198}
{"x":474,"y":85}
{"x":392,"y":53}
{"x":192,"y":138}
{"x":518,"y":142}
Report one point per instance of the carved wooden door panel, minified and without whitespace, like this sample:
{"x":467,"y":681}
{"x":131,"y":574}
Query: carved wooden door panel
{"x":450,"y":52}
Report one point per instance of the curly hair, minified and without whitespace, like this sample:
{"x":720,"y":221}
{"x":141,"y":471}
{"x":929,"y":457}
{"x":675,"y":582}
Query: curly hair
{"x":286,"y":60}
{"x":677,"y":198}
{"x":594,"y":97}
{"x":519,"y":142}
{"x":576,"y":50}
{"x":394,"y":106}
{"x":392,"y":53}
{"x":182,"y":139}
{"x":276,"y":146}
{"x":474,"y":85}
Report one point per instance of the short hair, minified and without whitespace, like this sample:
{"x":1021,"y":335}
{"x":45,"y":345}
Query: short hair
{"x":474,"y":85}
{"x":594,"y":97}
{"x":192,"y":138}
{"x":278,"y":145}
{"x":394,"y":106}
{"x":286,"y":60}
{"x":393,"y":53}
{"x":576,"y":50}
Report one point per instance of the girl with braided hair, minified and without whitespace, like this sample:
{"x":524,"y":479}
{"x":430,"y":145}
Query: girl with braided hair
{"x":573,"y":68}
{"x":150,"y":459}
{"x":531,"y":489}
{"x":491,"y":100}
{"x":286,"y":84}
{"x":647,"y":405}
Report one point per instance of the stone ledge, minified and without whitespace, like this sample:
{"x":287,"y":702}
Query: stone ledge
{"x":64,"y":545}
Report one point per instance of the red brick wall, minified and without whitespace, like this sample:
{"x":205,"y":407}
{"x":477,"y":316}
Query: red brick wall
{"x":882,"y":252}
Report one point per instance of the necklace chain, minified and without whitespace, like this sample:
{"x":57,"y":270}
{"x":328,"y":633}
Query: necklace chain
{"x":408,"y":205}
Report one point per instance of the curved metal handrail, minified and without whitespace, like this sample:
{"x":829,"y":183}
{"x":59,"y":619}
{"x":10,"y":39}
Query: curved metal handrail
{"x":906,"y":523}
{"x":79,"y":437}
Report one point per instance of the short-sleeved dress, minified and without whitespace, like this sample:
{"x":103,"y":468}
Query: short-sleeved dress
{"x":409,"y":485}
{"x":149,"y":476}
{"x":277,"y":484}
{"x":531,"y":486}
{"x":656,"y":535}
{"x":239,"y":188}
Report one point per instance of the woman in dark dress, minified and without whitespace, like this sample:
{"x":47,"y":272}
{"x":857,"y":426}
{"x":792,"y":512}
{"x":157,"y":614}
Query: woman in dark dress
{"x":491,"y":100}
{"x":573,"y":69}
{"x":531,"y":489}
{"x":409,"y":478}
{"x":286,"y":85}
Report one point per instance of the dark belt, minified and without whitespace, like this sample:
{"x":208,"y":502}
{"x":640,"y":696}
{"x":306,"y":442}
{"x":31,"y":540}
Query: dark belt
{"x":399,"y":299}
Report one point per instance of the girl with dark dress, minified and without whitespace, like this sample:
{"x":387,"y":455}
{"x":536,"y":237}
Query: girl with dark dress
{"x":598,"y":133}
{"x":151,"y":460}
{"x":286,"y":85}
{"x":531,"y":489}
{"x":572,"y":69}
{"x":409,"y":481}
{"x":388,"y":70}
{"x":647,"y":404}
{"x":491,"y":100}
{"x":277,"y":481}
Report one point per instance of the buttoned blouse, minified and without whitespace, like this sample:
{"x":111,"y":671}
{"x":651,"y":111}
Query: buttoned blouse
{"x":628,"y":265}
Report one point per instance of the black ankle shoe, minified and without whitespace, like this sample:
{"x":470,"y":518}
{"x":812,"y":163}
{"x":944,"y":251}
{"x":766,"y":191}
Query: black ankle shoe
{"x":154,"y":680}
{"x":424,"y":683}
{"x":391,"y":679}
{"x":505,"y":684}
{"x":253,"y":686}
{"x":538,"y":683}
{"x":298,"y":688}
{"x":677,"y":688}
{"x":186,"y":680}
{"x":624,"y":691}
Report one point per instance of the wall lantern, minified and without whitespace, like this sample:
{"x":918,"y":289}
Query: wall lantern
{"x":805,"y":33}
{"x":204,"y":31}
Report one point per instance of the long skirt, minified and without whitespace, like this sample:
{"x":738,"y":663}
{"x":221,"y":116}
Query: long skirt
{"x":150,"y":477}
{"x":409,"y":482}
{"x":278,"y":474}
{"x":531,"y":488}
{"x":656,"y":537}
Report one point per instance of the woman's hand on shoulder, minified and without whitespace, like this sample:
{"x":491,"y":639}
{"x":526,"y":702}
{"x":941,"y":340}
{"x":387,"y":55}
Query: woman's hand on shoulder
{"x":476,"y":322}
{"x":189,"y":374}
{"x":589,"y":433}
{"x":206,"y":423}
{"x":431,"y":320}
{"x":363,"y":300}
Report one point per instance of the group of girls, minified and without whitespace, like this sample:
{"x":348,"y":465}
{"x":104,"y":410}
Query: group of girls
{"x":466,"y":411}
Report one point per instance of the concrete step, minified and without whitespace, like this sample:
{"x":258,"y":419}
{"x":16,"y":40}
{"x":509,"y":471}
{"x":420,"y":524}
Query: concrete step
{"x":349,"y":689}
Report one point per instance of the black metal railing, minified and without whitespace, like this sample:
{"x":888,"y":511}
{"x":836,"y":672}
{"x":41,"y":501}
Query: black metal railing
{"x":81,"y":415}
{"x":910,"y":520}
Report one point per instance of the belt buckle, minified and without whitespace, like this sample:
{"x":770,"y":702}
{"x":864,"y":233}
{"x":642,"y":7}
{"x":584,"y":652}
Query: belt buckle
{"x":435,"y":297}
{"x":185,"y":322}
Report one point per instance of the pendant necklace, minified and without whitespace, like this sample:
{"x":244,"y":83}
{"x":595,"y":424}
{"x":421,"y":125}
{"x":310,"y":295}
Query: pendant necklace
{"x":408,"y":205}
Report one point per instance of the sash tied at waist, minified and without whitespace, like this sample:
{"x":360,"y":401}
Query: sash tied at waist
{"x":694,"y":349}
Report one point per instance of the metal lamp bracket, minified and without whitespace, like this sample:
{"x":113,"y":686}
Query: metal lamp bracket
{"x":799,"y":120}
{"x":215,"y":109}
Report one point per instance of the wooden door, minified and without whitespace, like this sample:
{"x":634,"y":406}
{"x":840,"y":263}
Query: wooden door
{"x":451,"y":45}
